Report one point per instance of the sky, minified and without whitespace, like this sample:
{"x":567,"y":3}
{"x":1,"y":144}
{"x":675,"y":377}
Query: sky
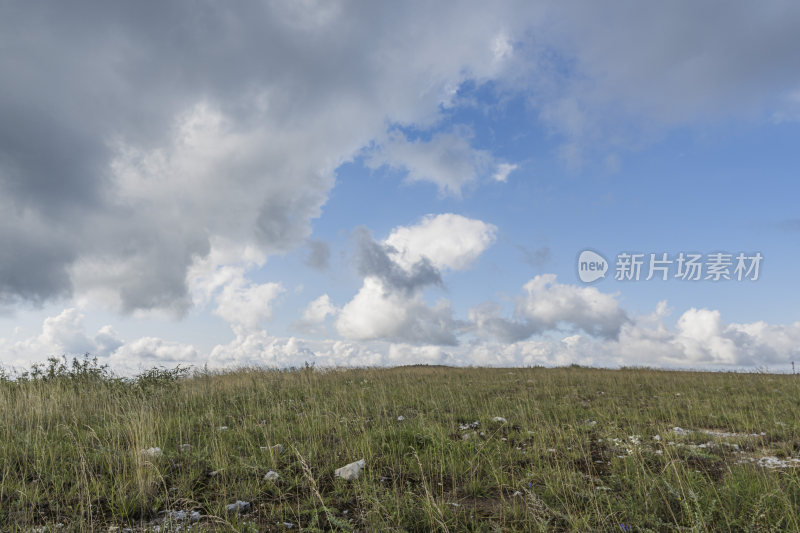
{"x":382,"y":183}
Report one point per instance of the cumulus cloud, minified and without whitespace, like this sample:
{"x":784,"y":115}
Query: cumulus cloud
{"x":448,"y":241}
{"x":63,"y":334}
{"x":377,"y":312}
{"x":547,"y":305}
{"x":390,"y":304}
{"x":319,"y":309}
{"x":149,"y":352}
{"x":245,"y":305}
{"x":315,"y":314}
{"x":128,"y":156}
{"x":699,"y":339}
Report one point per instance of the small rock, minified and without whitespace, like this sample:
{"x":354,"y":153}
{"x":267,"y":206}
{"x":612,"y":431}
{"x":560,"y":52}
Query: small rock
{"x":238,"y":507}
{"x":178,"y":516}
{"x":499,"y":419}
{"x":271,"y":476}
{"x":215,"y":473}
{"x":152,"y":452}
{"x":516,"y":493}
{"x":657,"y":437}
{"x":468,"y":436}
{"x":589,"y":422}
{"x":471,"y":425}
{"x":185,"y":447}
{"x":401,"y":418}
{"x":351,"y":471}
{"x":288,"y":525}
{"x":222,"y":428}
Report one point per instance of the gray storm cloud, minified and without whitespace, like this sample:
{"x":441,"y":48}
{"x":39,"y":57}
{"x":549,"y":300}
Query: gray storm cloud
{"x":373,"y":259}
{"x":137,"y":138}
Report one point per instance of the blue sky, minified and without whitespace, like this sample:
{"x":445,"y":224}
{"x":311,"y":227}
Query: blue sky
{"x":392,"y":185}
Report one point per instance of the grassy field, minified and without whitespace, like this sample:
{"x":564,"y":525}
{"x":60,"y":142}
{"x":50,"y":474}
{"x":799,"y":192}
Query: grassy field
{"x":578,"y":450}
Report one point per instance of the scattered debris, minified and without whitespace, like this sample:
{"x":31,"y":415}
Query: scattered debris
{"x":470,"y":425}
{"x":351,"y":471}
{"x":729,"y":434}
{"x":774,"y":462}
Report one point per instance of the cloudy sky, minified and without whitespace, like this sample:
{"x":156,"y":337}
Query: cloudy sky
{"x":384,"y":183}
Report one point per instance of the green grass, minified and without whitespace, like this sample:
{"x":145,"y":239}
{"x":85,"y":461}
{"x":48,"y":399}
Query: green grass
{"x":577,"y":452}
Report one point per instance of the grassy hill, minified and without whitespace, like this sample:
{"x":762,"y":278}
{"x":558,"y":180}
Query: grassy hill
{"x":573,"y":449}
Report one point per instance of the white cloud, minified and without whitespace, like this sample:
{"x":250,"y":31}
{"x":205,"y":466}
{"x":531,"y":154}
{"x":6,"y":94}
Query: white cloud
{"x":246,"y":305}
{"x":448,"y":240}
{"x":390,"y":305}
{"x":63,"y":334}
{"x":700,"y":339}
{"x":315,"y":314}
{"x":502,"y":172}
{"x":377,"y":312}
{"x":549,"y":304}
{"x":317,"y":310}
{"x":149,"y":352}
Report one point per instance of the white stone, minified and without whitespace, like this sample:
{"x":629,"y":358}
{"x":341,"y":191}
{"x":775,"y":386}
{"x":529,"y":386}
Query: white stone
{"x":272,"y":476}
{"x":238,"y":507}
{"x":401,"y":418}
{"x":499,"y":419}
{"x":152,"y":452}
{"x":351,"y":471}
